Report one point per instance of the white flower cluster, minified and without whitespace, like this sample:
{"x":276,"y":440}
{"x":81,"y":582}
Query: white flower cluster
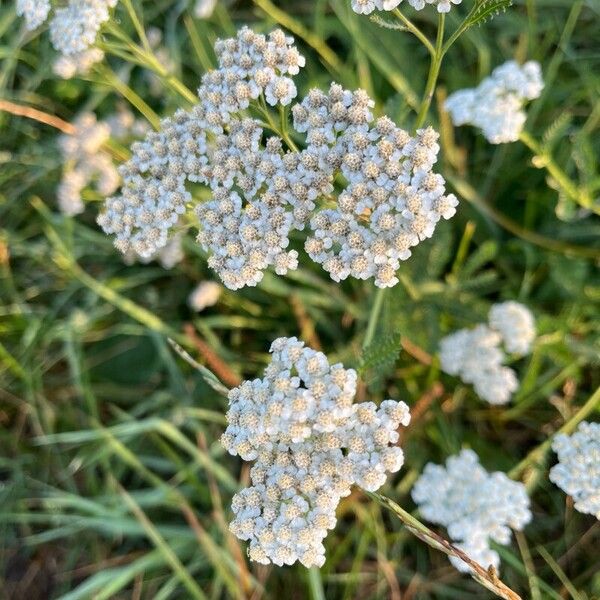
{"x":74,"y":27}
{"x":205,"y":294}
{"x":310,"y":444}
{"x":496,"y":104}
{"x":516,"y":325}
{"x":85,"y":163}
{"x":578,"y":470}
{"x":73,"y":30}
{"x":35,"y":12}
{"x":475,"y":506}
{"x":69,"y":65}
{"x":366,"y":7}
{"x":391,"y":201}
{"x":167,"y":257}
{"x":244,"y":231}
{"x":476,"y":354}
{"x":261,"y":192}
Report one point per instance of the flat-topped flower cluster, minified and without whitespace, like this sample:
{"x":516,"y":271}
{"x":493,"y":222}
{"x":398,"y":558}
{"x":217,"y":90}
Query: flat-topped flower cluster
{"x":73,"y":30}
{"x":310,"y":444}
{"x":366,"y":7}
{"x":264,"y":188}
{"x":496,"y":104}
{"x":84,"y":163}
{"x":476,"y":354}
{"x":578,"y":470}
{"x":475,"y":506}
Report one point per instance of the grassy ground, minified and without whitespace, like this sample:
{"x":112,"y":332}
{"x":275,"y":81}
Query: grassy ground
{"x":112,"y":480}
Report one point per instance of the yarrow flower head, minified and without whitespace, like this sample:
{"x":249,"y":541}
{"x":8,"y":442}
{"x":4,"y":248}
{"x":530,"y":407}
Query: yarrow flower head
{"x":392,"y":199}
{"x":310,"y":444}
{"x":366,"y":7}
{"x":85,"y":163}
{"x":516,"y":325}
{"x":578,"y":470}
{"x":476,"y":354}
{"x":69,"y":65}
{"x":263,"y":189}
{"x":496,"y":105}
{"x":73,"y":30}
{"x":35,"y":12}
{"x":475,"y":506}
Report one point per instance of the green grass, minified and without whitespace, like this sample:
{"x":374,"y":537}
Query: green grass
{"x":112,"y":480}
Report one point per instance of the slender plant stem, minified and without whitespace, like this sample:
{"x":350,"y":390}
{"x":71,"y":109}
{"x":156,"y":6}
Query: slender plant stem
{"x":434,"y":71}
{"x":374,"y":317}
{"x":315,"y":584}
{"x":536,"y":458}
{"x":544,"y":159}
{"x":137,"y":24}
{"x":415,"y":31}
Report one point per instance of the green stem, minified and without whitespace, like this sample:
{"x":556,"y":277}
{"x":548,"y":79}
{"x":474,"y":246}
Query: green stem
{"x":537,"y":457}
{"x":134,"y":99}
{"x":434,"y":71}
{"x":138,"y":25}
{"x":415,"y":31}
{"x":545,"y":160}
{"x":374,"y":317}
{"x":315,"y":584}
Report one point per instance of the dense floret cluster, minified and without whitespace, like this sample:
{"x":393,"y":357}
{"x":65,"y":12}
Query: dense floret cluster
{"x":578,"y":470}
{"x":310,"y":444}
{"x":476,"y":354}
{"x":475,"y":506}
{"x":496,"y":104}
{"x":69,"y":65}
{"x":392,"y":199}
{"x":73,"y":30}
{"x":85,"y":163}
{"x":516,"y":325}
{"x":366,"y":7}
{"x":35,"y":12}
{"x":262,"y":189}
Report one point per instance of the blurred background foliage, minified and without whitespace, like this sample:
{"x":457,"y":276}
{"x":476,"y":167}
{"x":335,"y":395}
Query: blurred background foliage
{"x":112,"y":480}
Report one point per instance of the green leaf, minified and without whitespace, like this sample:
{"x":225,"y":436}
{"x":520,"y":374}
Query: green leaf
{"x":381,"y":353}
{"x":556,"y":131}
{"x":483,"y":255}
{"x":486,"y":9}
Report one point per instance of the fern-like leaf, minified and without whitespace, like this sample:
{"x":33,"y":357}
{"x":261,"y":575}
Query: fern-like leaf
{"x":387,"y":24}
{"x":556,"y":131}
{"x":381,"y":354}
{"x":486,"y":9}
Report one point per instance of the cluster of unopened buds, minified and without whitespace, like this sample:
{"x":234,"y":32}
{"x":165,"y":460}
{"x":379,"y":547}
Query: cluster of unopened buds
{"x":263,"y":188}
{"x":476,"y":354}
{"x":475,"y":506}
{"x":496,"y":105}
{"x":73,"y":30}
{"x":311,"y":443}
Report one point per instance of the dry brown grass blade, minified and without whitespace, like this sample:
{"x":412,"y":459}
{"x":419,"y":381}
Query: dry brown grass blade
{"x":37,"y":115}
{"x":488,"y":578}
